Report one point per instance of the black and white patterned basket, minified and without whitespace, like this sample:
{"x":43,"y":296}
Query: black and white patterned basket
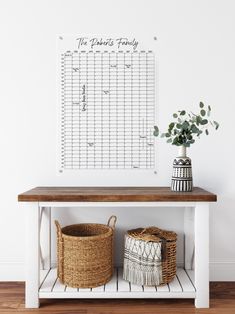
{"x":149,"y":256}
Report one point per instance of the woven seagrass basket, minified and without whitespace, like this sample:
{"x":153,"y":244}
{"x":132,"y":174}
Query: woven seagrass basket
{"x":85,"y":254}
{"x":150,"y":256}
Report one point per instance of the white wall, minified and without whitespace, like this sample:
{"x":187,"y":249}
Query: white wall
{"x":196,"y":49}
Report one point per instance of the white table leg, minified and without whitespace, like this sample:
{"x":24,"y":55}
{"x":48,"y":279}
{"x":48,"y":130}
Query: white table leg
{"x":45,"y":237}
{"x":188,"y":237}
{"x":202,"y":255}
{"x":32,"y":255}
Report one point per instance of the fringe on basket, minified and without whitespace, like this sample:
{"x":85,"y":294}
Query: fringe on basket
{"x":140,"y":276}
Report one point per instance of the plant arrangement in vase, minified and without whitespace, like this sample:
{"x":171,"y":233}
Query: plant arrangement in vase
{"x":183,"y":132}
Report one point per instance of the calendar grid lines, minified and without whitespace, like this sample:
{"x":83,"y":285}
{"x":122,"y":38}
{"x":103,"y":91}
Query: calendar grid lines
{"x":94,"y":113}
{"x":132,"y":111}
{"x":79,"y":96}
{"x":124,"y":91}
{"x":72,"y":111}
{"x":102,"y":109}
{"x":116,"y":107}
{"x":107,"y":108}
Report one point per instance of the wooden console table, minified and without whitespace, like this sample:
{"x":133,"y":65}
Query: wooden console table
{"x":189,"y":283}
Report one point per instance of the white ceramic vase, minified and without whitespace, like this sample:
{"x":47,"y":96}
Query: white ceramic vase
{"x":182,"y":180}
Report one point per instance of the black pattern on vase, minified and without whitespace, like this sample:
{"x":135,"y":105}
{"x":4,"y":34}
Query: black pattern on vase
{"x":182,"y":180}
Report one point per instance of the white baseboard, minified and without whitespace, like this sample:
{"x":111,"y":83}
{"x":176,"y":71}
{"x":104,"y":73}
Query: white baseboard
{"x":219,"y":271}
{"x":222,"y":270}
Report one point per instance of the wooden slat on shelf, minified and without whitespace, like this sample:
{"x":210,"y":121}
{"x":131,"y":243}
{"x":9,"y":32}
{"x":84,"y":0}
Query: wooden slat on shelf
{"x":111,"y":286}
{"x":149,"y":289}
{"x":123,"y":285}
{"x":71,"y":289}
{"x":136,"y":288}
{"x":114,"y":194}
{"x":164,"y":288}
{"x":43,"y":274}
{"x":184,"y":280}
{"x":49,"y":281}
{"x":84,"y":290}
{"x":174,"y":285}
{"x":58,"y":287}
{"x":191,"y":275}
{"x":98,"y":289}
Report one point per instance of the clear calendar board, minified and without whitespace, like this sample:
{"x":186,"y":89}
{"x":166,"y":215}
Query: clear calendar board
{"x":106,"y":103}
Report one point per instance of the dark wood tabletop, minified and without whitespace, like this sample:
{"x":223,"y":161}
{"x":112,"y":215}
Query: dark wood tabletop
{"x":114,"y":194}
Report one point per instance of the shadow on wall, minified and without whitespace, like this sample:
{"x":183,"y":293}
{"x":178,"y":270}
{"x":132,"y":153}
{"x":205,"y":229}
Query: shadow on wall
{"x":221,"y":216}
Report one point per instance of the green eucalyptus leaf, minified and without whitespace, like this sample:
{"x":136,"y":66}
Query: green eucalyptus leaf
{"x":194,"y":129}
{"x":193,"y":120}
{"x":198,"y":120}
{"x":170,"y":127}
{"x":209,"y":108}
{"x":201,"y":104}
{"x":204,"y":122}
{"x":175,"y":115}
{"x":178,"y":125}
{"x":203,"y":112}
{"x":167,"y":135}
{"x":169,"y":140}
{"x":185,"y":125}
{"x":156,"y":131}
{"x":207,"y":132}
{"x":180,"y":140}
{"x":216,"y":125}
{"x":183,"y":112}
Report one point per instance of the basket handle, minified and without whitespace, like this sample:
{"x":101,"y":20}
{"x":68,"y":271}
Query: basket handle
{"x":152,"y":230}
{"x":58,"y":228}
{"x":143,"y":231}
{"x":60,"y":252}
{"x":112,"y":221}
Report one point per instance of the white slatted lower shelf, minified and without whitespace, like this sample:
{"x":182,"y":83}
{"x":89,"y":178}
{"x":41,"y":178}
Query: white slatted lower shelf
{"x":181,"y":287}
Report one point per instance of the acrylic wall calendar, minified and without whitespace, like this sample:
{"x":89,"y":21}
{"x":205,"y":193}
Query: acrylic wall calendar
{"x":106,"y":103}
